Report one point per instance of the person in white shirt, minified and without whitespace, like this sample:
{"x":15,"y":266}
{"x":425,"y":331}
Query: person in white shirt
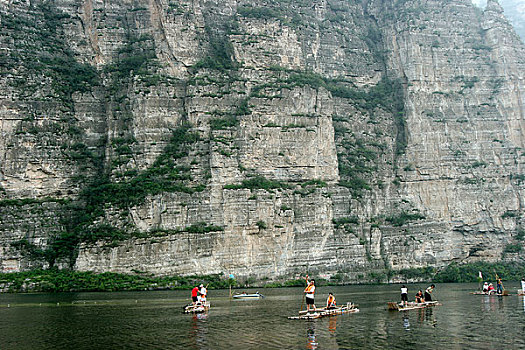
{"x":404,"y":295}
{"x":310,"y":291}
{"x":202,"y":294}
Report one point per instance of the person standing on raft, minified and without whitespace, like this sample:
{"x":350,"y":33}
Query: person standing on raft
{"x":499,"y":286}
{"x":310,"y":291}
{"x":404,"y":295}
{"x":429,"y":291}
{"x":194,"y":294}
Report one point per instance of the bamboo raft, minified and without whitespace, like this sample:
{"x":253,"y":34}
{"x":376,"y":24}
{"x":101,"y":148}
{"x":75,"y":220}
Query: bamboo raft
{"x":394,"y":306}
{"x":189,"y":309}
{"x":505,"y":293}
{"x":304,"y":315}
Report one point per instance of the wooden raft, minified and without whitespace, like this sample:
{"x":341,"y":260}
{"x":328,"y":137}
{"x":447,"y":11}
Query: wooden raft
{"x":505,"y":293}
{"x":304,"y":315}
{"x":394,"y":306}
{"x":189,"y":309}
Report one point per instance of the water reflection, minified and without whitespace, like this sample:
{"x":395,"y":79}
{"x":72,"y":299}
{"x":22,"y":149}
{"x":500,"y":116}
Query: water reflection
{"x":199,"y":331}
{"x":406,"y":322}
{"x":332,"y":324}
{"x":524,"y":303}
{"x":310,"y":336}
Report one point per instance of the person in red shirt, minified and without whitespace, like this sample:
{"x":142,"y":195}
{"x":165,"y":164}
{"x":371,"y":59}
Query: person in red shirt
{"x":194,"y":293}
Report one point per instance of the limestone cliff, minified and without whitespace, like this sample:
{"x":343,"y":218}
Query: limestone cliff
{"x":263,"y":139}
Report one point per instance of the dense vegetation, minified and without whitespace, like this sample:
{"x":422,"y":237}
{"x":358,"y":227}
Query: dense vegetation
{"x":55,"y":280}
{"x":465,"y":272}
{"x":41,"y":51}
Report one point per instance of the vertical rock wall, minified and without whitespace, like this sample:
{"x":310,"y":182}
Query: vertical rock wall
{"x":260,"y":139}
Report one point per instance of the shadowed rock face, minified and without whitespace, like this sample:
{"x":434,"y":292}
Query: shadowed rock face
{"x":260,"y":139}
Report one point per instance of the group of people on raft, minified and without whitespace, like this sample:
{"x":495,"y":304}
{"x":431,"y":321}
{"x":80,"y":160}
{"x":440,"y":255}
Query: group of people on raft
{"x":489,"y":287}
{"x":310,"y":297}
{"x":198,"y":295}
{"x":420,"y":297}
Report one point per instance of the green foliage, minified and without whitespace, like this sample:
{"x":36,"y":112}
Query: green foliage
{"x":421,"y":273}
{"x":55,"y":280}
{"x":41,"y":54}
{"x":224,"y":123}
{"x":509,"y":214}
{"x":287,"y":283}
{"x":220,"y":53}
{"x":469,"y":272}
{"x":520,"y":234}
{"x":346,"y":220}
{"x":31,"y":201}
{"x":163,"y":176}
{"x":202,"y":227}
{"x":166,"y":174}
{"x":356,"y":185}
{"x":258,"y":182}
{"x":513,"y":248}
{"x":403,"y":217}
{"x":136,"y":58}
{"x":258,"y":12}
{"x":315,"y":182}
{"x":478,"y":164}
{"x":261,"y":225}
{"x":520,"y":178}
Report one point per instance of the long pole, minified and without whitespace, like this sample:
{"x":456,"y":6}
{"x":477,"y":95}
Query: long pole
{"x":304,"y":294}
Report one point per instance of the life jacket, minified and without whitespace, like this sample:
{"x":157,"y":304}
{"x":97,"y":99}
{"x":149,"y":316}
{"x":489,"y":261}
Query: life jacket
{"x":310,"y":289}
{"x":330,"y":301}
{"x":194,"y":292}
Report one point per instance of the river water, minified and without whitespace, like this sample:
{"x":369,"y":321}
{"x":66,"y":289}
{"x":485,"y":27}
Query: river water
{"x":154,"y":320}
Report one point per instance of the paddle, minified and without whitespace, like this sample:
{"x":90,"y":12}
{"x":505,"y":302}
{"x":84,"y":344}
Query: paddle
{"x":304,"y":294}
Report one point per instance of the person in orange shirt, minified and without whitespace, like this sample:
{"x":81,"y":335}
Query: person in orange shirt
{"x":330,"y":302}
{"x":310,"y":291}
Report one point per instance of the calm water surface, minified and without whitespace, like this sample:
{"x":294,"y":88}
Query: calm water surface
{"x":154,"y":320}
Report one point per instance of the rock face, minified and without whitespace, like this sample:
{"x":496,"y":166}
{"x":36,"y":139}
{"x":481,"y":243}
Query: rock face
{"x":515,"y":12}
{"x":263,"y":139}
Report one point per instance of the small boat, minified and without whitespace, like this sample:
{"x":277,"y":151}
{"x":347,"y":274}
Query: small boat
{"x":198,"y":308}
{"x":256,"y":295}
{"x":305,"y":315}
{"x":394,"y":306}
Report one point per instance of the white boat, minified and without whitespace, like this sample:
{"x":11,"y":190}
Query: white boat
{"x":256,"y":295}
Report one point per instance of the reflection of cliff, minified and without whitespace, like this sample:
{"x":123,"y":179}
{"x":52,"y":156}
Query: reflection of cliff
{"x":176,"y":137}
